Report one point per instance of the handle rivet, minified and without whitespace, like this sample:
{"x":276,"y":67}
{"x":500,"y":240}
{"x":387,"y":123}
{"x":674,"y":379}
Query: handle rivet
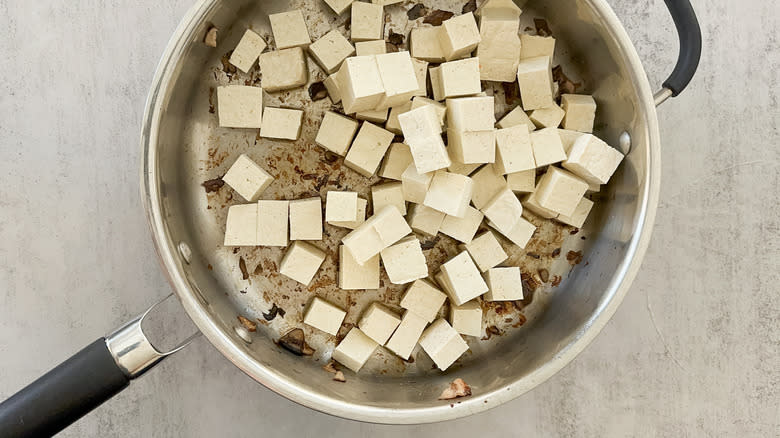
{"x":185,"y":251}
{"x":624,"y":143}
{"x":243,"y":333}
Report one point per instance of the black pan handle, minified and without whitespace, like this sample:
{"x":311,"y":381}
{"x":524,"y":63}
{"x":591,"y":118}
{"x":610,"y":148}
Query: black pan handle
{"x":690,"y":47}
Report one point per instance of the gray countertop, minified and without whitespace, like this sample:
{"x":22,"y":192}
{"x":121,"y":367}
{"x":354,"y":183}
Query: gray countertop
{"x":693,"y":350}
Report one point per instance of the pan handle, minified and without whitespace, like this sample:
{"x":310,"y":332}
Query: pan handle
{"x":81,"y":383}
{"x":690,"y":49}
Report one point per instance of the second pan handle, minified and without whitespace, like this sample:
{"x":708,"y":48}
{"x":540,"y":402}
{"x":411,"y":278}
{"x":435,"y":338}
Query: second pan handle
{"x":690,"y":49}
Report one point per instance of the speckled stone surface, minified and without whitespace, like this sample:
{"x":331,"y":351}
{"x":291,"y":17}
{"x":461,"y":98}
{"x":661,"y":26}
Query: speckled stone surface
{"x":693,"y":350}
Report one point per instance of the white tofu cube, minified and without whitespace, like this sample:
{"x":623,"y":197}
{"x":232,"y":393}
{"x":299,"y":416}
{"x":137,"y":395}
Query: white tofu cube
{"x":499,"y":50}
{"x":373,"y":47}
{"x":441,"y":109}
{"x":425,"y":44}
{"x":339,"y":6}
{"x":406,"y":335}
{"x":405,"y":261}
{"x":330,"y":50}
{"x":281,"y":123}
{"x":336,"y":132}
{"x":414,"y":184}
{"x":360,"y":84}
{"x":472,"y":147}
{"x":248,"y":49}
{"x":549,"y":117}
{"x":301,"y":262}
{"x":425,"y":220}
{"x":503,"y":210}
{"x":386,"y":2}
{"x":399,"y":78}
{"x":393,"y":125}
{"x":368,"y":149}
{"x":378,"y":323}
{"x":487,"y":183}
{"x":362,"y":206}
{"x":341,"y":206}
{"x":534,"y":76}
{"x":531,"y":204}
{"x":421,"y":128}
{"x":463,"y":280}
{"x":247,"y":178}
{"x":486,"y":251}
{"x":522,"y":182}
{"x":289,"y":29}
{"x":462,"y":168}
{"x":397,"y":159}
{"x":354,"y":350}
{"x":516,"y":117}
{"x":463,"y":228}
{"x":436,"y":85}
{"x":272,"y":220}
{"x":240,"y":106}
{"x":449,"y":193}
{"x":241,"y":226}
{"x":505,"y":9}
{"x":467,"y":319}
{"x":324,"y":316}
{"x":421,"y":72}
{"x":283,"y":69}
{"x":470,"y":114}
{"x":547,"y":146}
{"x":353,"y":275}
{"x":373,"y":116}
{"x":388,"y":194}
{"x":368,"y":21}
{"x":560,"y":191}
{"x":533,"y":46}
{"x":580,"y":112}
{"x":443,"y":344}
{"x":459,"y":36}
{"x":460,"y":78}
{"x":423,"y":299}
{"x":577,"y":219}
{"x":377,"y":233}
{"x":514,"y":152}
{"x":520,"y":233}
{"x":306,"y":219}
{"x":593,"y":160}
{"x":568,"y":138}
{"x":505,"y":284}
{"x":334,"y":89}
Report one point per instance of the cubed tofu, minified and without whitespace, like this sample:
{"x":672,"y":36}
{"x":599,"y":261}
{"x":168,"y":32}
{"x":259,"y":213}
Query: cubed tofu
{"x":449,"y":193}
{"x":463,"y":228}
{"x":568,"y":138}
{"x":362,"y":206}
{"x":472,"y":147}
{"x":441,"y":109}
{"x":460,"y":78}
{"x":462,"y":168}
{"x":534,"y":46}
{"x":405,"y":261}
{"x":522,"y":182}
{"x":514,"y":152}
{"x":436,"y":86}
{"x":368,"y":21}
{"x":531,"y":204}
{"x":301,"y":262}
{"x":503,"y":210}
{"x":499,"y":48}
{"x":378,"y":323}
{"x":415,"y":184}
{"x":424,"y":219}
{"x":336,"y":132}
{"x":247,"y":178}
{"x":368,"y":149}
{"x":353,"y":275}
{"x":577,"y":219}
{"x":443,"y":344}
{"x":505,"y":284}
{"x":330,"y":50}
{"x":534,"y":76}
{"x":560,"y":191}
{"x":520,"y":233}
{"x":339,"y":6}
{"x":341,"y":206}
{"x":459,"y":36}
{"x":306,"y":219}
{"x":470,"y":113}
{"x":240,"y":106}
{"x":397,"y":159}
{"x":421,"y":72}
{"x":398,"y":78}
{"x":324,"y":316}
{"x":332,"y":84}
{"x":487,"y":183}
{"x":354,"y":350}
{"x":467,"y":319}
{"x":386,"y":2}
{"x":486,"y":251}
{"x":289,"y":29}
{"x":272,"y":221}
{"x":463,"y":280}
{"x":421,"y":131}
{"x":373,"y":47}
{"x":388,"y":194}
{"x":593,"y":160}
{"x":425,"y":44}
{"x":248,"y":49}
{"x":423,"y":299}
{"x":505,"y":9}
{"x":360,"y":84}
{"x":373,"y":116}
{"x":407,"y":334}
{"x":241,"y":226}
{"x":580,"y":112}
{"x":547,"y":146}
{"x":283,"y":69}
{"x":381,"y":230}
{"x":393,"y":125}
{"x":516,"y":117}
{"x":281,"y":123}
{"x":549,"y":117}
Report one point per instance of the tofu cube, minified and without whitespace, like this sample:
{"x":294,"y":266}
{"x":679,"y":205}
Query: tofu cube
{"x":467,"y":319}
{"x":272,"y":219}
{"x":283,"y":69}
{"x":339,"y":6}
{"x":459,"y":36}
{"x":472,"y":147}
{"x":241,"y":226}
{"x":405,"y":261}
{"x":534,"y":76}
{"x":499,"y":48}
{"x":397,"y":159}
{"x":248,"y":49}
{"x":360,"y":84}
{"x":381,"y":230}
{"x":516,"y":117}
{"x":425,"y":44}
{"x":460,"y":78}
{"x":520,"y":233}
{"x":341,"y":206}
{"x":354,"y":350}
{"x":421,"y":131}
{"x":560,"y":191}
{"x":580,"y":112}
{"x":336,"y":132}
{"x":368,"y":21}
{"x":506,"y":9}
{"x":505,"y":284}
{"x":449,"y":193}
{"x":306,"y":219}
{"x":463,"y":228}
{"x":593,"y":160}
{"x":281,"y":123}
{"x":531,"y":204}
{"x":407,"y":334}
{"x":436,"y":85}
{"x":443,"y":344}
{"x":486,"y":251}
{"x":514,"y":152}
{"x":324,"y":316}
{"x":334,"y":89}
{"x":373,"y":116}
{"x":462,"y":168}
{"x":247,"y":178}
{"x":362,"y":206}
{"x":441,"y":109}
{"x":534,"y":46}
{"x":331,"y":50}
{"x":421,"y":72}
{"x":399,"y":78}
{"x":368,"y":149}
{"x":577,"y":219}
{"x":301,"y":262}
{"x":393,"y":125}
{"x":487,"y":183}
{"x":423,"y":299}
{"x":568,"y":138}
{"x":470,"y":114}
{"x":463,"y":280}
{"x":378,"y":323}
{"x":289,"y":29}
{"x":388,"y":194}
{"x":522,"y":182}
{"x":547,"y":146}
{"x":373,"y":47}
{"x":415,"y":185}
{"x":549,"y":117}
{"x":503,"y":210}
{"x":353,"y":275}
{"x":425,"y":220}
{"x":240,"y":106}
